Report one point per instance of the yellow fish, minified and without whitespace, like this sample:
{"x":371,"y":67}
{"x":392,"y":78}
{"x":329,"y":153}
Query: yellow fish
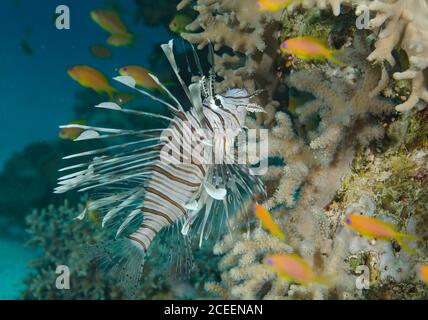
{"x":140,"y":75}
{"x":119,"y":40}
{"x":71,"y":133}
{"x":291,"y":267}
{"x":423,"y":272}
{"x":179,"y":23}
{"x":273,"y":5}
{"x":91,"y":78}
{"x":309,"y":48}
{"x":373,"y":228}
{"x":111,"y":22}
{"x":101,"y":52}
{"x":267,"y":221}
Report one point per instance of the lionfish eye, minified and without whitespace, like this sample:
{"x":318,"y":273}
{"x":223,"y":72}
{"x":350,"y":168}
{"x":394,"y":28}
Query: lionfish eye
{"x":217,"y":102}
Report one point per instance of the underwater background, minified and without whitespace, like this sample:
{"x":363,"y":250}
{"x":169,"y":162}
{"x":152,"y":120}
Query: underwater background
{"x":343,"y":138}
{"x":36,"y":56}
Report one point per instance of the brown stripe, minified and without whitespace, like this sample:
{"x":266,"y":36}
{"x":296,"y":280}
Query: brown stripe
{"x":149,"y":227}
{"x":166,"y":198}
{"x":144,"y":235}
{"x":184,"y":170}
{"x":139,"y":241}
{"x":172,"y":177}
{"x":201,"y":167}
{"x":181,"y":116}
{"x":208,"y":124}
{"x":167,"y":186}
{"x":233,"y":115}
{"x":221,"y":119}
{"x":158,"y":213}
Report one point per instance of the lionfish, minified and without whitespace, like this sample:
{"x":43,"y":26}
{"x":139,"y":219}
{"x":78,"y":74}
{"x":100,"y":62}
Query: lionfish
{"x":142,"y":191}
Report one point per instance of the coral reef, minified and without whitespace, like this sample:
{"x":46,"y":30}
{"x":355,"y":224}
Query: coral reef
{"x":316,"y":148}
{"x":249,"y":33}
{"x":397,"y":24}
{"x":89,"y":281}
{"x":386,"y":183}
{"x":403,"y":23}
{"x":329,"y":156}
{"x":45,"y":227}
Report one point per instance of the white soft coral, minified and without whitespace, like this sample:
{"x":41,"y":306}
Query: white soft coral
{"x":405,"y":24}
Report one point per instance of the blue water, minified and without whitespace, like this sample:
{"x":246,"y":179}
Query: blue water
{"x":35,"y":91}
{"x":37,"y":95}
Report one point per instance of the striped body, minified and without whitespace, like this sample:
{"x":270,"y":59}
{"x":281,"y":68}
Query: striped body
{"x":179,"y":176}
{"x":173,"y":185}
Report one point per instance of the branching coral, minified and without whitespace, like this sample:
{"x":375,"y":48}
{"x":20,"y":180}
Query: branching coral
{"x":45,"y":228}
{"x":237,"y":26}
{"x":244,"y":273}
{"x":404,"y":25}
{"x":399,"y":24}
{"x":315,"y":146}
{"x":60,"y":240}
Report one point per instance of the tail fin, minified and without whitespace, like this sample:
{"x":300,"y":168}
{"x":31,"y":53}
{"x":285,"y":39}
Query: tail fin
{"x":111,"y":93}
{"x":400,"y":239}
{"x":333,"y":59}
{"x":326,"y":280}
{"x":121,"y":260}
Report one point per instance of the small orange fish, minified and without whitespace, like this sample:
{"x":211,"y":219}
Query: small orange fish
{"x":111,"y":22}
{"x":71,"y":133}
{"x":273,"y":5}
{"x":119,"y":40}
{"x":291,"y":267}
{"x":423,"y":272}
{"x":267,"y":221}
{"x":373,"y":228}
{"x":91,"y":78}
{"x":309,"y":48}
{"x":101,"y":52}
{"x":140,"y":75}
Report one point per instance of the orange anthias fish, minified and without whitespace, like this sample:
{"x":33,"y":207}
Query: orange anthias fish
{"x":101,"y":52}
{"x":373,"y":228}
{"x":309,"y":48}
{"x":119,"y":40}
{"x":274,"y":5}
{"x":92,"y":78}
{"x":71,"y":133}
{"x":423,"y":272}
{"x":291,"y":267}
{"x":111,"y":22}
{"x":140,"y":75}
{"x":267,"y":221}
